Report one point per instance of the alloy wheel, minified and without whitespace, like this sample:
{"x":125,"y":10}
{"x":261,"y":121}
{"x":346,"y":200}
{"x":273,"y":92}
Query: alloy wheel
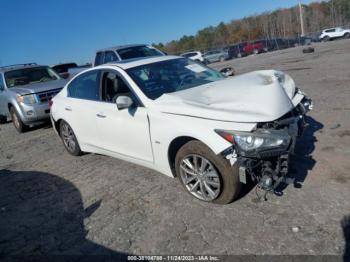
{"x":15,"y":120}
{"x":200,"y":177}
{"x":68,"y":137}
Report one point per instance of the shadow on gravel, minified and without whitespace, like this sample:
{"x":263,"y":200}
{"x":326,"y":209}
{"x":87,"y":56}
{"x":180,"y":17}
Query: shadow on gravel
{"x":44,"y":125}
{"x":42,"y":216}
{"x":302,"y":161}
{"x":345,"y":223}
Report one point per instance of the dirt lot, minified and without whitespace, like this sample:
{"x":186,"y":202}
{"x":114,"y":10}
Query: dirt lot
{"x":51,"y":202}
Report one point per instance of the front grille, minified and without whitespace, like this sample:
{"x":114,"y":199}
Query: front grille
{"x":46,"y":96}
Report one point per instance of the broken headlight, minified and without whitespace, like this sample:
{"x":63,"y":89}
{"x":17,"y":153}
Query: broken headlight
{"x":261,"y":139}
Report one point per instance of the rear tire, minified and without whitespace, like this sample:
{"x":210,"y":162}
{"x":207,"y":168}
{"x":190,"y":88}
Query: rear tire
{"x":222,"y":59}
{"x":255,"y":51}
{"x":347,"y":35}
{"x":17,"y":121}
{"x":218,"y":173}
{"x":69,"y":139}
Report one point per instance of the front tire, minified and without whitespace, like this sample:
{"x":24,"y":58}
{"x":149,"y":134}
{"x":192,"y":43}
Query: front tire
{"x":17,"y":121}
{"x":347,"y":35}
{"x":325,"y":39}
{"x":206,"y":176}
{"x":69,"y":139}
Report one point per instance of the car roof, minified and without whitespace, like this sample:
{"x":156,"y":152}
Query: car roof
{"x":190,"y":52}
{"x":19,"y":66}
{"x":134,"y":62}
{"x":119,"y":47}
{"x":64,"y":64}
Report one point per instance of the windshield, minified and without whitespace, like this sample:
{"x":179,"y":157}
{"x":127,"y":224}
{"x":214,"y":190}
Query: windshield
{"x":25,"y":76}
{"x":171,"y":76}
{"x":138,"y":51}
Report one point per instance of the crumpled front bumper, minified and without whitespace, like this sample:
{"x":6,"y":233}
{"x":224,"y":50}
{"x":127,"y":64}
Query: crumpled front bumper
{"x":269,"y":167}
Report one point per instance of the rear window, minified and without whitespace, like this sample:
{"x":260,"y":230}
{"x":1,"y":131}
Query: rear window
{"x":99,"y":58}
{"x":64,"y":67}
{"x":138,"y":51}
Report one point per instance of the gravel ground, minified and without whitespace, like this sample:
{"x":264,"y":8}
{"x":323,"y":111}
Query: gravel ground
{"x":53,"y":203}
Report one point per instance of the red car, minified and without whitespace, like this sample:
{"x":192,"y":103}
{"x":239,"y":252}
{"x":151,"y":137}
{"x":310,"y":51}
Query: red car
{"x":256,"y":47}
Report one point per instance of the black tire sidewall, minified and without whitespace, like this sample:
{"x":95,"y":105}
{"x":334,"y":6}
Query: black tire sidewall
{"x":3,"y":119}
{"x":77,"y":151}
{"x":230,"y":185}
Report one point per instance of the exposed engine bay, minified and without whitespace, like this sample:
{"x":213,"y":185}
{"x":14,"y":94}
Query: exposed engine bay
{"x":268,"y":167}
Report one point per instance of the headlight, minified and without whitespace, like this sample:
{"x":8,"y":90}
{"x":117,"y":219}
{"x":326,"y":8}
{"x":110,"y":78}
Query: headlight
{"x":260,"y":139}
{"x":27,"y":99}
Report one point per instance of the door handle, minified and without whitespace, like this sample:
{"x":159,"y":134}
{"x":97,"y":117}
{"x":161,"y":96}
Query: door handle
{"x":100,"y":115}
{"x":68,"y":109}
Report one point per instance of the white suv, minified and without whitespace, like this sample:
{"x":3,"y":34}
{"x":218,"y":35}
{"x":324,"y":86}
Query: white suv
{"x":333,"y":33}
{"x":184,"y":119}
{"x":195,"y":56}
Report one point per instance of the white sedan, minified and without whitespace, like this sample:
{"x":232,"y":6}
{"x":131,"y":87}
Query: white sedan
{"x":185,"y":120}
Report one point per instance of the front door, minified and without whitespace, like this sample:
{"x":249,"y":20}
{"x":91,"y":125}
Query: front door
{"x":125,"y":131}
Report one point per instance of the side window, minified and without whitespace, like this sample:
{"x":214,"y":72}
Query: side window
{"x":85,"y":86}
{"x":110,"y":57}
{"x":113,"y":86}
{"x":99,"y":58}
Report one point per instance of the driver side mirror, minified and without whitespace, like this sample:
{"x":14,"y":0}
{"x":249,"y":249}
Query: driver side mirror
{"x":124,"y":102}
{"x":1,"y":88}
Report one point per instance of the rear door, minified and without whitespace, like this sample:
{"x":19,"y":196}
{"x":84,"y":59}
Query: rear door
{"x":125,"y":131}
{"x":81,"y":106}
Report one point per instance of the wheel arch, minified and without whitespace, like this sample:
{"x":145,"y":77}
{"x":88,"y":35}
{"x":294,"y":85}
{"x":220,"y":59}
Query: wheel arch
{"x":174,"y":147}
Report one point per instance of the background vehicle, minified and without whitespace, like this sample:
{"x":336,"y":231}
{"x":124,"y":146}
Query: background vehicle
{"x":255,"y":47}
{"x":62,"y":69}
{"x":25,"y":91}
{"x":195,"y":55}
{"x":275,"y":44}
{"x":236,"y":51}
{"x":118,"y":53}
{"x":215,"y":56}
{"x":333,"y":33}
{"x":184,"y":119}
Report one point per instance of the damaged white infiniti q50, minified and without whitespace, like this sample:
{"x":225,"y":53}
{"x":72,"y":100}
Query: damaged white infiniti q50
{"x":184,"y":119}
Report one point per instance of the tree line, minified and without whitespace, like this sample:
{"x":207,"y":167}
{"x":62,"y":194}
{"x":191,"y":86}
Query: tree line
{"x":278,"y":23}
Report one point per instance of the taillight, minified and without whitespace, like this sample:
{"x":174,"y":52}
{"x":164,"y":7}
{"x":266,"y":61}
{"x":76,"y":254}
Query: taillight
{"x":50,"y":103}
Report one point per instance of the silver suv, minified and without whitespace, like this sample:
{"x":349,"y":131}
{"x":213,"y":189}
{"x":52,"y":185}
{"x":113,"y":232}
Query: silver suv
{"x":25,"y":92}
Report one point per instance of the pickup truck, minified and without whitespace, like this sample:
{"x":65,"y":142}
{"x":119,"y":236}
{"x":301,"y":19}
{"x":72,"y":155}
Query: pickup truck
{"x":25,"y":92}
{"x":124,"y":52}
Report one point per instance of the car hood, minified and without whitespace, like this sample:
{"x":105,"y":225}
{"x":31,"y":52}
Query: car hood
{"x":259,"y":96}
{"x":39,"y":87}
